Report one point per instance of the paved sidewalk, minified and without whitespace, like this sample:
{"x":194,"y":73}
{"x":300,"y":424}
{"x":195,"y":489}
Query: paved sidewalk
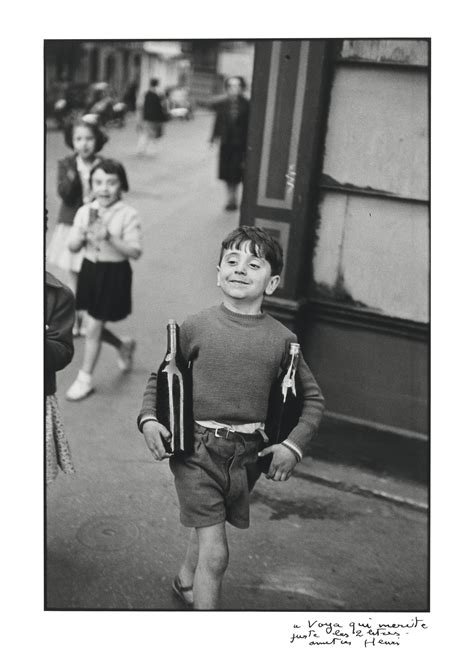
{"x":357,"y":481}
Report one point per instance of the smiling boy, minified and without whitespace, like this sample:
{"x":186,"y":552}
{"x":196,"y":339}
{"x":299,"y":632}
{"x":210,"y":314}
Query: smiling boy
{"x":236,"y":352}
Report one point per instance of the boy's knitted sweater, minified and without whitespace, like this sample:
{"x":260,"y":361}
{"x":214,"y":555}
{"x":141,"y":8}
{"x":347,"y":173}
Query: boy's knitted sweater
{"x":236,"y":358}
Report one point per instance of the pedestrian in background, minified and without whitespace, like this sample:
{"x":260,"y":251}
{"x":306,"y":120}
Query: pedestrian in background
{"x":130,"y":96}
{"x":59,"y":350}
{"x":86,"y":139}
{"x":109,"y":232}
{"x":236,"y":352}
{"x":230,"y":129}
{"x":154,"y":114}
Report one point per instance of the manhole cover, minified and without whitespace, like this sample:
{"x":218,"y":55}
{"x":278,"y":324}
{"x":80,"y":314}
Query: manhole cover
{"x":107,"y":533}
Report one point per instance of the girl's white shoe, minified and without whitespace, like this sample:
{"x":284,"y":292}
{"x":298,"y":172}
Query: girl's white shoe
{"x":81,"y":388}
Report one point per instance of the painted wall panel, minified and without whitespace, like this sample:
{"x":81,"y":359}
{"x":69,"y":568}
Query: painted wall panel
{"x":387,"y":51}
{"x":376,"y":251}
{"x":327,"y":255}
{"x":377,"y":133}
{"x":371,"y":375}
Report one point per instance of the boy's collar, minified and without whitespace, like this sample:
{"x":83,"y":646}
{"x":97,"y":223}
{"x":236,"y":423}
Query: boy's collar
{"x":237,"y":315}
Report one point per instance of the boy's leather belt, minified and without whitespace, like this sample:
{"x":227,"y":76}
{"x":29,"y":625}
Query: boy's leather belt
{"x":230,"y":434}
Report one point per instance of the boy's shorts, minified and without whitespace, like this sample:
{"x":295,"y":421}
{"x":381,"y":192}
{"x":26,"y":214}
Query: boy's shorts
{"x":215,"y":481}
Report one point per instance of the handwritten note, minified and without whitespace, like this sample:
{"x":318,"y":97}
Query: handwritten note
{"x":357,"y":633}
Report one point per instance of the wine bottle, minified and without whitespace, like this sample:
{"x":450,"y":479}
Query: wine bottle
{"x":174,"y":400}
{"x":284,"y":405}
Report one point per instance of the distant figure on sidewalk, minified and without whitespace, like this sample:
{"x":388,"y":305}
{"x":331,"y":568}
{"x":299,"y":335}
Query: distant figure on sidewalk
{"x":86,"y":139}
{"x":110,"y":233}
{"x":59,"y":350}
{"x":230,"y":128}
{"x":130,"y":96}
{"x":236,"y":351}
{"x":154,"y":114}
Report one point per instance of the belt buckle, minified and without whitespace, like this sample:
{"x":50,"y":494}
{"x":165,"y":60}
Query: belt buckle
{"x":227,"y":431}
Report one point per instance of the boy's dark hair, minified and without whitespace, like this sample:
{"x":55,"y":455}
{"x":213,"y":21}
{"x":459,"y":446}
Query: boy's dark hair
{"x":99,"y":136}
{"x":154,"y":82}
{"x":110,"y":166}
{"x":261,"y":244}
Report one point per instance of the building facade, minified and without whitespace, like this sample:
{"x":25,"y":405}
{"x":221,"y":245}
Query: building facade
{"x":118,"y":63}
{"x":338,"y":169}
{"x":200,"y":65}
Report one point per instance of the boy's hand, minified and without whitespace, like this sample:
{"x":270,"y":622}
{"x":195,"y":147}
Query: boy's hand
{"x":155,"y":434}
{"x":283,"y":462}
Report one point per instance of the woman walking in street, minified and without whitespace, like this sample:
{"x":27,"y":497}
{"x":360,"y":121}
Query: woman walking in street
{"x":230,"y":128}
{"x":154,"y":115}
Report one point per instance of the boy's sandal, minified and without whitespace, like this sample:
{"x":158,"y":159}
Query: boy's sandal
{"x":179,"y":591}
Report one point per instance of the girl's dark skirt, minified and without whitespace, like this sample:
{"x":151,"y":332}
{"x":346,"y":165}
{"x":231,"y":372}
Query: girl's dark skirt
{"x":104,"y":290}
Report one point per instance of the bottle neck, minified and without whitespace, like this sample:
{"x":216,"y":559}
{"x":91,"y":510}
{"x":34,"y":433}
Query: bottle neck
{"x":288,"y":382}
{"x":294,"y":354}
{"x":172,"y":339}
{"x":292,"y":365}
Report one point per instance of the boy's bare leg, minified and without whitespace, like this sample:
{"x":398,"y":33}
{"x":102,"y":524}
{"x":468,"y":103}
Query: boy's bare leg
{"x":188,"y":568}
{"x":213,"y":558}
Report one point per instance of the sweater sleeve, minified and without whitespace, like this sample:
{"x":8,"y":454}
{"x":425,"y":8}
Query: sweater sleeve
{"x":313,"y":407}
{"x":59,"y":341}
{"x":132,"y":233}
{"x":81,"y":219}
{"x":148,"y":407}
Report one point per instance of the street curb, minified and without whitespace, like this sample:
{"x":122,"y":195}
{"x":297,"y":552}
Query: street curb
{"x":361,"y":491}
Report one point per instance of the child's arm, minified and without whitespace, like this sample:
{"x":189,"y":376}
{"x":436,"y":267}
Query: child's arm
{"x":313,"y":408}
{"x":77,"y":240}
{"x":69,"y":182}
{"x":129,"y":243}
{"x":288,"y":453}
{"x":154,"y":432}
{"x":78,"y":233}
{"x":59,"y":341}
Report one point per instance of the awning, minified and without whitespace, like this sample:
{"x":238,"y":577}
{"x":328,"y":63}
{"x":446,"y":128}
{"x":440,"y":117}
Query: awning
{"x":164,"y":49}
